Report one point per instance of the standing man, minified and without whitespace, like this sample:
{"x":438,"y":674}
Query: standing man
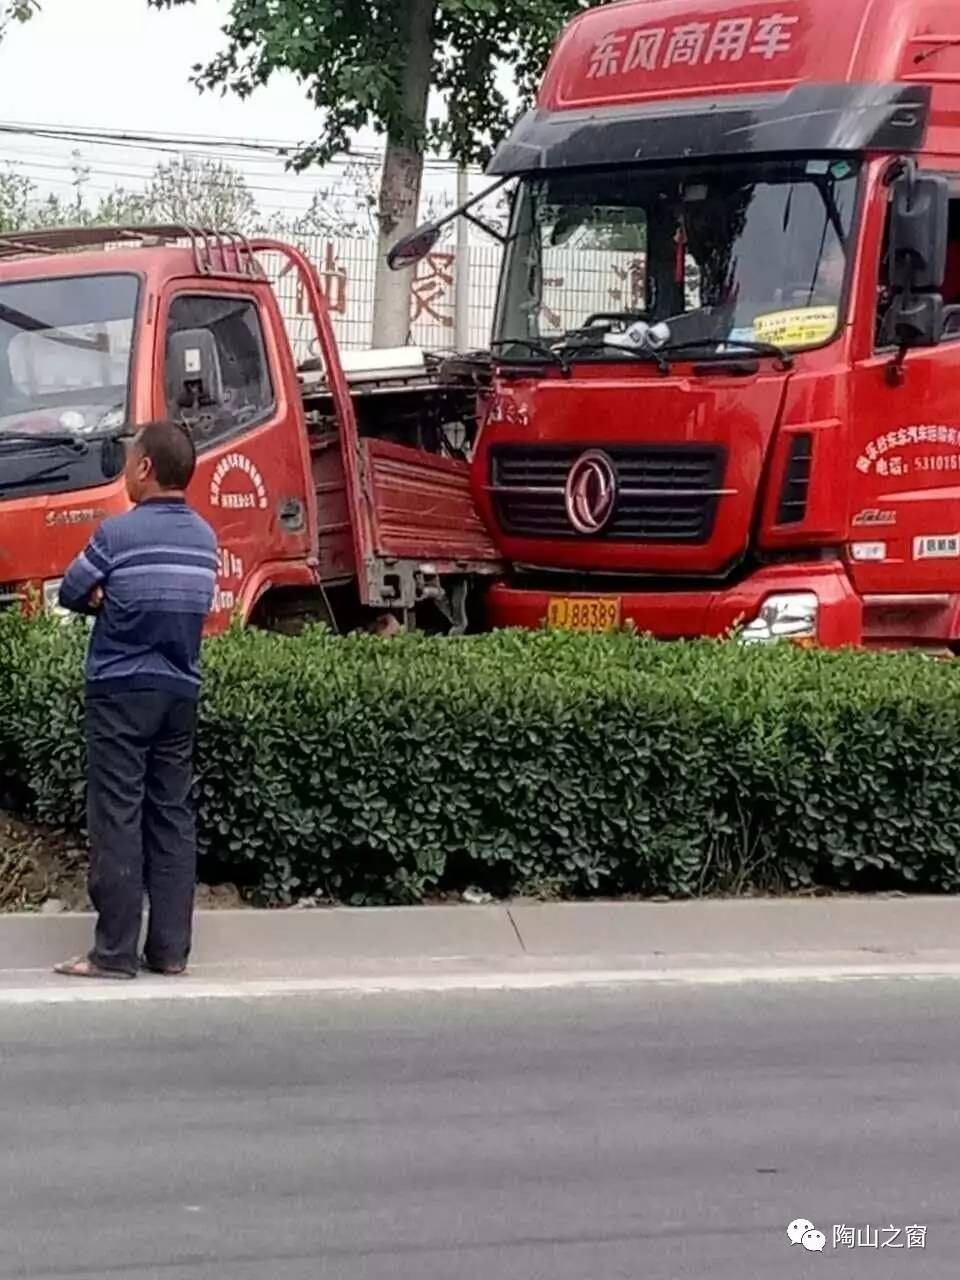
{"x":150,"y":577}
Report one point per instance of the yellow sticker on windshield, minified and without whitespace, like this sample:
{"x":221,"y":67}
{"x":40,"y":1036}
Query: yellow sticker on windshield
{"x":802,"y":327}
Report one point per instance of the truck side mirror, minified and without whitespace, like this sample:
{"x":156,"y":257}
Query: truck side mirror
{"x":194,"y":375}
{"x":919,"y":231}
{"x":414,"y":247}
{"x":916,"y":320}
{"x":113,"y":456}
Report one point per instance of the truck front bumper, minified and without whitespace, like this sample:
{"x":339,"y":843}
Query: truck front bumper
{"x":823,"y":589}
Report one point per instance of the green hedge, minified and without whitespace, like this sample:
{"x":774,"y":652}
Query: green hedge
{"x":372,"y":770}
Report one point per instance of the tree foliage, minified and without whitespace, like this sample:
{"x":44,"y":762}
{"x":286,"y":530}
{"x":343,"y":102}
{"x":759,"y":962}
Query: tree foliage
{"x":346,"y":208}
{"x":199,"y":192}
{"x":351,"y":59}
{"x":205,"y":193}
{"x":16,"y":11}
{"x":16,"y":194}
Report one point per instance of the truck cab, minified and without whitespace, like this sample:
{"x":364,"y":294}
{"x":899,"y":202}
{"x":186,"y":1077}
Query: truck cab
{"x":727,"y":347}
{"x":332,"y":501}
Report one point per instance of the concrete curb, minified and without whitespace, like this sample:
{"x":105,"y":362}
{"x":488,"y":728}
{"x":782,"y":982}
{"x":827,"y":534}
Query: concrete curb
{"x":712,"y":933}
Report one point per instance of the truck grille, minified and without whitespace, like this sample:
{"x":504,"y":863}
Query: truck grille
{"x":11,"y":593}
{"x":667,"y":493}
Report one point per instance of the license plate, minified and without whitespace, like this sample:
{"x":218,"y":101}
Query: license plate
{"x":584,"y":613}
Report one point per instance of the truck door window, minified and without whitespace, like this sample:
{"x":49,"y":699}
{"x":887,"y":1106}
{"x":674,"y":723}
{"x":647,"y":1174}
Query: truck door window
{"x":242,"y":391}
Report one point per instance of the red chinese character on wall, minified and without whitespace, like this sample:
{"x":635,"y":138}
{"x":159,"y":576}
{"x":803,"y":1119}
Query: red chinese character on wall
{"x":631,"y":292}
{"x":434,"y":277}
{"x":553,"y":318}
{"x":334,"y":280}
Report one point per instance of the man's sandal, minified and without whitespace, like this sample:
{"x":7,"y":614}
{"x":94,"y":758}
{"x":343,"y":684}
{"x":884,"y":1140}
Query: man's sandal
{"x":84,"y":967}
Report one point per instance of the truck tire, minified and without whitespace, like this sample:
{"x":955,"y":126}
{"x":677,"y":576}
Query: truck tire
{"x":289,"y":613}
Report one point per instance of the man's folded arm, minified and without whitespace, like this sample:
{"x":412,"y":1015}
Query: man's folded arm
{"x":86,"y":573}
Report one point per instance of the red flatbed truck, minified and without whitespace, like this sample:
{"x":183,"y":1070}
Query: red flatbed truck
{"x":331,"y":501}
{"x":765,"y":428}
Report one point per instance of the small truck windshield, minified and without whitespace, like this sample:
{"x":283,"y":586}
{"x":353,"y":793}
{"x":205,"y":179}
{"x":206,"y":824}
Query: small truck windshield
{"x":65,"y":351}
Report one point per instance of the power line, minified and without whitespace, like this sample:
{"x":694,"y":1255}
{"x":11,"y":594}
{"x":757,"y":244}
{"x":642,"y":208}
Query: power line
{"x":304,"y":186}
{"x":228,"y":151}
{"x":132,"y":169}
{"x":202,"y":139}
{"x":150,"y":140}
{"x":140,"y":172}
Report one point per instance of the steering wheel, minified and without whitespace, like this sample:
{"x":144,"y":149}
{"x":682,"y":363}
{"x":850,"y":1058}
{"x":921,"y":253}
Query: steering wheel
{"x":611,"y":318}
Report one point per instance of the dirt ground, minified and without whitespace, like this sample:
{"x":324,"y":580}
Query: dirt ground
{"x":42,"y":869}
{"x":45,"y":870}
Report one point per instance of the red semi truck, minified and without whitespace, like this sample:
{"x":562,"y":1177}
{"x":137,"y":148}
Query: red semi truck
{"x":762,"y":425}
{"x":333,"y":498}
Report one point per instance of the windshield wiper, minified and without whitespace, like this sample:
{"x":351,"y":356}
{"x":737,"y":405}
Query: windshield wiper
{"x":785,"y":358}
{"x":568,"y":352}
{"x":661,"y":356}
{"x":537,"y":349}
{"x":540,"y":352}
{"x":75,"y":445}
{"x":565,"y":353}
{"x":44,"y":473}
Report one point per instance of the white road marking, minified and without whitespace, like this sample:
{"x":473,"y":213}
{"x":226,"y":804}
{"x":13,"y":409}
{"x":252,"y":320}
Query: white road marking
{"x":145,"y":990}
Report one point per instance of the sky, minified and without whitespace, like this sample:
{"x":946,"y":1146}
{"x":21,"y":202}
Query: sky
{"x":129,"y":68}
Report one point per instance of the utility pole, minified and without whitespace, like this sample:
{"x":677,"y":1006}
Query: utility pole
{"x":461,"y":306}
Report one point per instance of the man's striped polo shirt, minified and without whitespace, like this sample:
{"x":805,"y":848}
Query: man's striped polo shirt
{"x":157,"y":565}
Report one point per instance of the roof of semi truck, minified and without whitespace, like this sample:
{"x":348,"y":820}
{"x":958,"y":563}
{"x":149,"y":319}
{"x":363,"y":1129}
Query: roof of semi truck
{"x":669,"y":79}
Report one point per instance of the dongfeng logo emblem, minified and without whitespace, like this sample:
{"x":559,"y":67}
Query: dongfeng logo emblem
{"x":591,"y":492}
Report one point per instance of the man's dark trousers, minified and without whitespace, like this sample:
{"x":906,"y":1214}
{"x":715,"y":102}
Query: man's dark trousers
{"x":141,"y":824}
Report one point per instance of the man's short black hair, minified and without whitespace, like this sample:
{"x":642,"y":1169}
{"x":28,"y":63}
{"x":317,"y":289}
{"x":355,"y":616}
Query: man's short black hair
{"x":171,"y":450}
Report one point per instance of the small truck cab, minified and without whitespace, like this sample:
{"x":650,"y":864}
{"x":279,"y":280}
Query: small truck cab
{"x":330,"y":501}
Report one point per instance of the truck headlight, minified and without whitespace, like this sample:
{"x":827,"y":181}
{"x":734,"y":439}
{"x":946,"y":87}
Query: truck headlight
{"x":791,"y":616}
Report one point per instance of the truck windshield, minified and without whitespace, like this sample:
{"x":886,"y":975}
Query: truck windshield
{"x":65,"y":348}
{"x":743,"y":251}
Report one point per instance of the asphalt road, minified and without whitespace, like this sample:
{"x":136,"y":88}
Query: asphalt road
{"x":655,"y":1134}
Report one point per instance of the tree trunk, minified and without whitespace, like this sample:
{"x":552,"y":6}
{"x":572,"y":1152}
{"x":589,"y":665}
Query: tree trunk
{"x":402,"y":180}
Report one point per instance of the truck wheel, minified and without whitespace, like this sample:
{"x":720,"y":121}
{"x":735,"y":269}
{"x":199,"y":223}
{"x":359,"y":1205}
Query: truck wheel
{"x":289,"y":613}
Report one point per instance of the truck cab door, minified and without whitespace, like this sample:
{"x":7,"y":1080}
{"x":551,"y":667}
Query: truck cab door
{"x":904,"y":464}
{"x":225,"y":370}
